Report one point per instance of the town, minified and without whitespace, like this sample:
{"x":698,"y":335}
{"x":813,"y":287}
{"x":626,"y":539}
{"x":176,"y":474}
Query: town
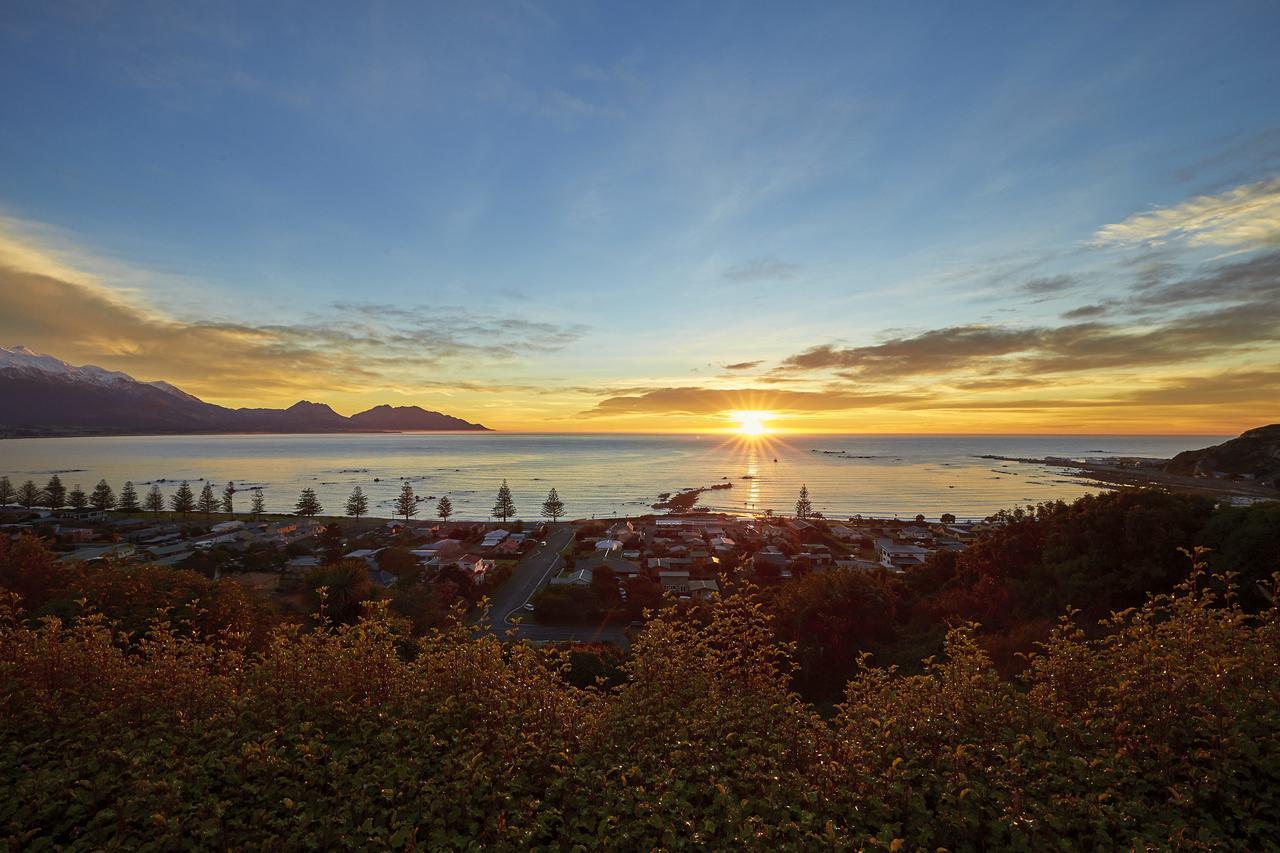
{"x":540,"y":579}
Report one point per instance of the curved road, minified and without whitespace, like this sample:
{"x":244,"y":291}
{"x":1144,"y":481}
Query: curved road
{"x":534,"y":570}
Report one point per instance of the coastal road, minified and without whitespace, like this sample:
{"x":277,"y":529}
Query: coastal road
{"x":534,"y":570}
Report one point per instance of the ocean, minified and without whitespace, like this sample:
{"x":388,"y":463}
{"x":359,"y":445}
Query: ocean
{"x":597,"y":475}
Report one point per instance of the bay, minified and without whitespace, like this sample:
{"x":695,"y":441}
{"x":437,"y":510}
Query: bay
{"x":598,"y":474}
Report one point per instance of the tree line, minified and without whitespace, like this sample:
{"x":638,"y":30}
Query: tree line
{"x":54,"y":495}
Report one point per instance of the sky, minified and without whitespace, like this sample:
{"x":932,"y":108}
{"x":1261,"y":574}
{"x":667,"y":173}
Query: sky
{"x":858,"y":217}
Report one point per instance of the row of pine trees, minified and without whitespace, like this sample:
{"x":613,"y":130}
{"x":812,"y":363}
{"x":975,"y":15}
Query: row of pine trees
{"x":184,"y":500}
{"x":55,"y":496}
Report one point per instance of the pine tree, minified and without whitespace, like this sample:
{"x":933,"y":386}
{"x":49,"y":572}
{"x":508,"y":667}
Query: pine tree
{"x":259,"y":505}
{"x":155,"y":501}
{"x":55,"y":494}
{"x":504,"y":507}
{"x":357,"y":504}
{"x":28,"y":494}
{"x":128,"y":498}
{"x":444,"y":509}
{"x":406,"y":504}
{"x":553,"y":507}
{"x":103,"y":497}
{"x":229,"y":499}
{"x":76,"y":498}
{"x":308,"y":506}
{"x":208,"y":503}
{"x":6,"y":491}
{"x":183,"y":501}
{"x":804,"y":509}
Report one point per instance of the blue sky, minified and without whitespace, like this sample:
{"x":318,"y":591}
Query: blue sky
{"x":612,"y":201}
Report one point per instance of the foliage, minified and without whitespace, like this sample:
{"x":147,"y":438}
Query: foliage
{"x":208,"y":503}
{"x":229,"y":498}
{"x":504,"y":506}
{"x":76,"y":498}
{"x":340,"y":589}
{"x":553,"y":507}
{"x":399,"y":561}
{"x":104,"y":498}
{"x":567,"y":603}
{"x":804,"y":507}
{"x":182,"y":501}
{"x":308,"y":505}
{"x":128,"y":498}
{"x":54,"y":495}
{"x":155,"y":500}
{"x":444,"y":508}
{"x":28,"y":494}
{"x":1164,"y":732}
{"x":357,"y":503}
{"x":406,"y":503}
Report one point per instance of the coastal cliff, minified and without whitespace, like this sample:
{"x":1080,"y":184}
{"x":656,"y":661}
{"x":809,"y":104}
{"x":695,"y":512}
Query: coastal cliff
{"x":1254,"y":455}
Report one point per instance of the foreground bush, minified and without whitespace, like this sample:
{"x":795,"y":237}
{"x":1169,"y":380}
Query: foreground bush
{"x":1163,"y":733}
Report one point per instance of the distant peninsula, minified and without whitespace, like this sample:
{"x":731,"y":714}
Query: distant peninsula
{"x":1252,"y":456}
{"x":41,"y":395}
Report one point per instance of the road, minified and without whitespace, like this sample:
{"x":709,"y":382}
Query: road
{"x":530,"y":574}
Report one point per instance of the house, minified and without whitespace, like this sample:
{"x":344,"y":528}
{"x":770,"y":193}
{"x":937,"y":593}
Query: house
{"x":476,"y":567}
{"x":84,"y":515}
{"x":857,"y":564}
{"x":508,"y":547}
{"x":619,"y":566}
{"x":382,"y":577}
{"x":723,"y":548}
{"x":623,"y":530}
{"x":369,"y":555}
{"x":703,"y":589}
{"x":898,"y":556}
{"x":769,"y":557}
{"x":74,"y":534}
{"x":844,"y":533}
{"x":493,"y":537}
{"x":580,"y":576}
{"x":441,"y":549}
{"x":819,"y":555}
{"x":301,"y":565}
{"x":153,"y":533}
{"x":915,"y":533}
{"x":227,"y":527}
{"x":115,"y":550}
{"x":674,"y":580}
{"x":208,"y":542}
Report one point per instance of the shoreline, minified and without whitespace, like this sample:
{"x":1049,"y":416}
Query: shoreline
{"x":1115,"y":476}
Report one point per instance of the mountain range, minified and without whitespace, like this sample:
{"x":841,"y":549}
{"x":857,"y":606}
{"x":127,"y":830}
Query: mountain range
{"x":43,"y":395}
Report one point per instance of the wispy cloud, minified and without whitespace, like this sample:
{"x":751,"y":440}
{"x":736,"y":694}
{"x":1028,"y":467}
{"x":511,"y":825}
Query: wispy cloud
{"x":47,"y":302}
{"x":761,"y":269}
{"x":711,"y":401}
{"x":1245,"y":217}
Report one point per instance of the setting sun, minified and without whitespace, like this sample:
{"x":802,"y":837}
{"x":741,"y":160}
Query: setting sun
{"x":752,"y":422}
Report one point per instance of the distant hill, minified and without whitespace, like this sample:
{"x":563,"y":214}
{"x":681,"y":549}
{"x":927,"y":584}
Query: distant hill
{"x":1254,"y":455}
{"x":43,"y":395}
{"x":386,"y":417}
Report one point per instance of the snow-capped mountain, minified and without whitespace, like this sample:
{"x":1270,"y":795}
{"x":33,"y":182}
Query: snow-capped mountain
{"x":43,"y":395}
{"x":20,"y":360}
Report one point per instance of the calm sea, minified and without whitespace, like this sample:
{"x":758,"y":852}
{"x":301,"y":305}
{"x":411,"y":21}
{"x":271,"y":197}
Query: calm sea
{"x":597,"y":474}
